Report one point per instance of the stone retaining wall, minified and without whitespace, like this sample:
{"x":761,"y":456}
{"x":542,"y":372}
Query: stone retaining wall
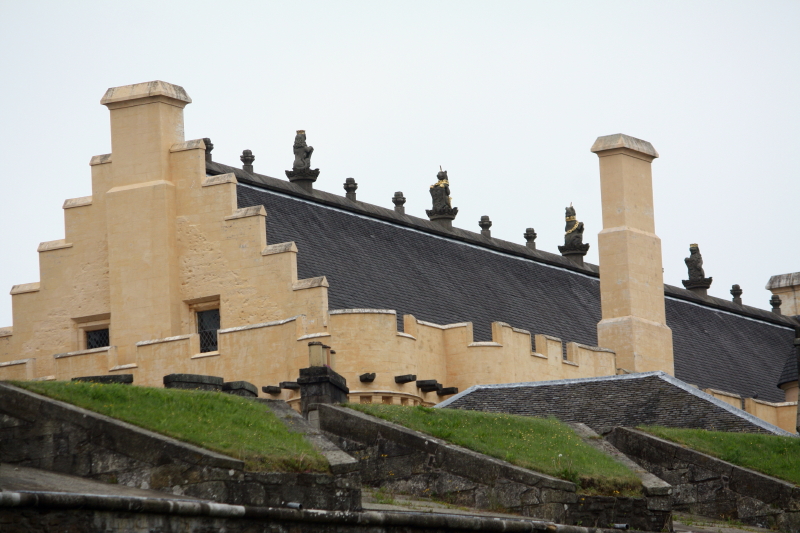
{"x":39,"y":432}
{"x":406,"y":461}
{"x":46,"y":512}
{"x":708,"y":486}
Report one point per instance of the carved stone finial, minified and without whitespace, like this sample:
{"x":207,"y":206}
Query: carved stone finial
{"x":209,"y":147}
{"x":301,"y":172}
{"x":698,"y":283}
{"x":736,"y":292}
{"x":485,"y":223}
{"x":443,"y":211}
{"x":247,"y":158}
{"x":398,"y":200}
{"x":573,"y":248}
{"x":776,"y":302}
{"x":350,"y":187}
{"x":530,"y":238}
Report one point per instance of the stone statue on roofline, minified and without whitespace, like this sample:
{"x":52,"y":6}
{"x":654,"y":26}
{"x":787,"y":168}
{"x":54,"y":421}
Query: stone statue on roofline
{"x":443,"y":211}
{"x":697,"y":282}
{"x":573,"y":248}
{"x":301,"y":173}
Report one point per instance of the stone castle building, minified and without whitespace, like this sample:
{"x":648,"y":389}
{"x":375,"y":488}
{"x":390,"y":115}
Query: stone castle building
{"x":179,"y":264}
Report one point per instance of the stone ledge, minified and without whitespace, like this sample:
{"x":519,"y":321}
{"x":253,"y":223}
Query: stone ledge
{"x":77,"y":202}
{"x":53,"y":245}
{"x":100,"y":159}
{"x":362,"y":312}
{"x":246,"y":212}
{"x":6,"y":332}
{"x":620,"y":140}
{"x":279,"y":248}
{"x":166,"y":339}
{"x":83,"y":352}
{"x":221,"y":179}
{"x":145,"y":90}
{"x":17,"y":362}
{"x":24,"y":287}
{"x":260,"y":325}
{"x":310,"y":283}
{"x":195,"y":144}
{"x":447,"y":326}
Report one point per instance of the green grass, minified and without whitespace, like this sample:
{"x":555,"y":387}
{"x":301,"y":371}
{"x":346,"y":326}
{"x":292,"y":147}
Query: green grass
{"x":770,"y":454}
{"x":542,"y":444}
{"x":225,"y":423}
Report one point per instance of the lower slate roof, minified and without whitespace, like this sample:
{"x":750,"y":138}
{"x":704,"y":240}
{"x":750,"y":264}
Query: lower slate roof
{"x":648,"y":398}
{"x":375,"y":258}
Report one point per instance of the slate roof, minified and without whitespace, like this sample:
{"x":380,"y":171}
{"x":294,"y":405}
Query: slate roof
{"x":648,"y":398}
{"x":789,"y":373}
{"x":374,"y":257}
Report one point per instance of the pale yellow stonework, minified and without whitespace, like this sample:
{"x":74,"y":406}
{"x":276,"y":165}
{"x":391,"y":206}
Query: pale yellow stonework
{"x":631,"y":280}
{"x":159,"y":241}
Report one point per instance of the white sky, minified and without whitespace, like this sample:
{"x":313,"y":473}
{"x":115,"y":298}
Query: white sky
{"x":506,"y":96}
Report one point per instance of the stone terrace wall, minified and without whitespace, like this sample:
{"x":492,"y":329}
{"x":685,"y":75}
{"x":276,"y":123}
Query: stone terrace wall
{"x":43,"y":433}
{"x":708,"y":486}
{"x":651,"y":398}
{"x":409,"y":462}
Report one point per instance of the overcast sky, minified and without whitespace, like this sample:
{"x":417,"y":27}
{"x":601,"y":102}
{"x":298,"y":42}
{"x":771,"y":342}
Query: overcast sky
{"x":506,"y":96}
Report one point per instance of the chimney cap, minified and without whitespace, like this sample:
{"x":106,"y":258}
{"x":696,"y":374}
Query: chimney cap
{"x":145,"y":90}
{"x":620,"y":140}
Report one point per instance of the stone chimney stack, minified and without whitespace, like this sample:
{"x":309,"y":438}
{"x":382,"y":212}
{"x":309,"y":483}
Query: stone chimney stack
{"x":146,"y":120}
{"x":631,"y":281}
{"x":787,"y":288}
{"x":140,"y":199}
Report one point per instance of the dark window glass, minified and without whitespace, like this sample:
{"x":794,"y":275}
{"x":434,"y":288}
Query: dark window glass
{"x":97,"y":338}
{"x":207,"y":326}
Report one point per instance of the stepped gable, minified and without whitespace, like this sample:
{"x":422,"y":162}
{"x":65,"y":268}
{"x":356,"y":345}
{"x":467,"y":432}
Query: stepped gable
{"x":647,"y":398}
{"x":375,"y":257}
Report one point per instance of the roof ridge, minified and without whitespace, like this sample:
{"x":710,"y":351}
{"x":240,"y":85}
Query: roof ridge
{"x":492,"y":243}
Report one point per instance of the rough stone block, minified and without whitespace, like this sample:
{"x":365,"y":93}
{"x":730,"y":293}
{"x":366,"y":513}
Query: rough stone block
{"x":193,"y":382}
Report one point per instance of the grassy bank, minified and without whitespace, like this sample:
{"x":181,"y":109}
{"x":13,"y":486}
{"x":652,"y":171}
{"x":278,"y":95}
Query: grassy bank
{"x":224,"y":423}
{"x":544,"y":445}
{"x":770,"y":454}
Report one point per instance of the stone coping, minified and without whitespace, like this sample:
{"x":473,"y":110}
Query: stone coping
{"x":145,"y":90}
{"x":376,"y":519}
{"x":639,"y":375}
{"x":777,"y":490}
{"x":6,"y":332}
{"x":17,"y":362}
{"x":166,"y":339}
{"x":310,"y":283}
{"x":362,"y":312}
{"x":131,"y":440}
{"x":620,"y":140}
{"x":83,"y":352}
{"x":77,"y":202}
{"x":389,"y":215}
{"x":260,"y":325}
{"x":446,"y":326}
{"x":783,"y":280}
{"x":22,"y":288}
{"x":451,"y":456}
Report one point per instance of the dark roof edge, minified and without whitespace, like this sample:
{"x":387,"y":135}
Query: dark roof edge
{"x":394,"y":217}
{"x":520,"y":250}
